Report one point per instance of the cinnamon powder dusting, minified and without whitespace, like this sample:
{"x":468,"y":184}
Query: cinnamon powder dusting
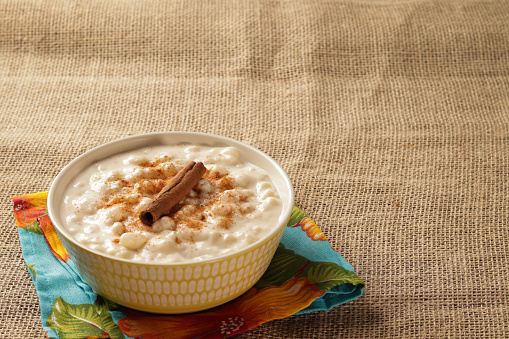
{"x":191,"y":213}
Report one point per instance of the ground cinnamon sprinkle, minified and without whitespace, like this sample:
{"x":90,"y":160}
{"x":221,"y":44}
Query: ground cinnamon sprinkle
{"x":226,"y":183}
{"x":152,"y":187}
{"x":213,"y":175}
{"x":192,"y":220}
{"x":148,"y":164}
{"x":186,"y":216}
{"x":154,"y":163}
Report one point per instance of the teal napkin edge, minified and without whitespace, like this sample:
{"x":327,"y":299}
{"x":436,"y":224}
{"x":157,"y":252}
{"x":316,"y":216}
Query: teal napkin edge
{"x":321,"y":251}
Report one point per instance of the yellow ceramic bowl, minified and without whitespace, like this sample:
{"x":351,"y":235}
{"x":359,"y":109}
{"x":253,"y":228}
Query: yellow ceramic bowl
{"x":172,"y":287}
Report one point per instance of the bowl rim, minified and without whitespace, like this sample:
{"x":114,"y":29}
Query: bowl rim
{"x":52,"y":210}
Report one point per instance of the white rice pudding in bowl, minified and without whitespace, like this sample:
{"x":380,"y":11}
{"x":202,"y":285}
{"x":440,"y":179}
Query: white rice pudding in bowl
{"x":233,"y":205}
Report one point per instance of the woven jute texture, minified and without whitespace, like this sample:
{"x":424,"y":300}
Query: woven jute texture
{"x":391,"y":118}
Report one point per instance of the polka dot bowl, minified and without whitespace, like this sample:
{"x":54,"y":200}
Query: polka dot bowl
{"x":172,"y":288}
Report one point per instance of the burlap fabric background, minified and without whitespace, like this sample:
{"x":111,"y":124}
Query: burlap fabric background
{"x":391,"y":117}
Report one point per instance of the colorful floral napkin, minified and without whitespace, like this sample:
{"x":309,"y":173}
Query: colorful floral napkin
{"x":306,"y":275}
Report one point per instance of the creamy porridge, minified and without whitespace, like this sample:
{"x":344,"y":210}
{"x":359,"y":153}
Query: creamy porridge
{"x":233,"y":205}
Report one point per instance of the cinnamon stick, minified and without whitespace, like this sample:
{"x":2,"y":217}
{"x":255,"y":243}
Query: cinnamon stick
{"x":173,"y":192}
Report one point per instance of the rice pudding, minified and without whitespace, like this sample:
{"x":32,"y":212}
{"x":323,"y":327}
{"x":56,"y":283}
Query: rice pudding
{"x":232,"y":206}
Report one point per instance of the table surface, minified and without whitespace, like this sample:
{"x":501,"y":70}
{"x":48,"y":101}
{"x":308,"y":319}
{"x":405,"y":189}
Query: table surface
{"x":391,"y":118}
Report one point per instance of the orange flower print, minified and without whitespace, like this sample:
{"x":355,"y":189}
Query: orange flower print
{"x":253,"y":308}
{"x":29,"y":207}
{"x":311,"y":229}
{"x":52,"y":239}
